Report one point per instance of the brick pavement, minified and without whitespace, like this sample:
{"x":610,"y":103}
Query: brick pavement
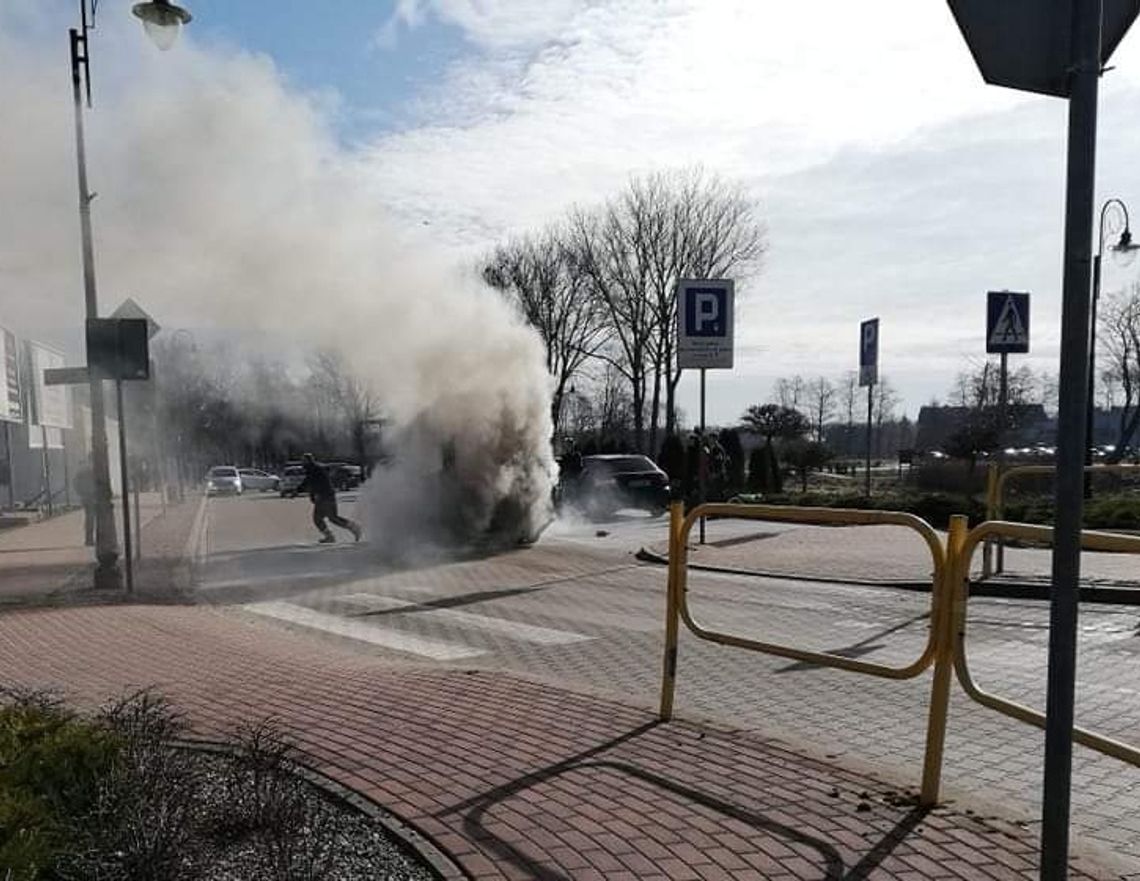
{"x":515,"y":779}
{"x":47,"y":559}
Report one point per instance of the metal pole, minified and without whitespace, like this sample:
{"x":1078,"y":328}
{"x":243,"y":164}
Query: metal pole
{"x":1003,"y":428}
{"x":66,"y":473}
{"x":107,"y":573}
{"x":870,"y":414}
{"x":1070,"y":439}
{"x":11,"y":472}
{"x":138,"y":521}
{"x":702,"y":461}
{"x":672,"y":618}
{"x":45,"y":469}
{"x":125,"y":489}
{"x":1090,"y":407}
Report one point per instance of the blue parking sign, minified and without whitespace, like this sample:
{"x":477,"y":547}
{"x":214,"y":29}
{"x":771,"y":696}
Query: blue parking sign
{"x":705,"y":325}
{"x":869,"y":352}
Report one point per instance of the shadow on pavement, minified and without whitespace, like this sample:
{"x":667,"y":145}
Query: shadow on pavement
{"x":863,"y":647}
{"x":466,"y":599}
{"x":832,"y":865}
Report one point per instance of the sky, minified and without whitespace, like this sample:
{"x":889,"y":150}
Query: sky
{"x":893,"y":182}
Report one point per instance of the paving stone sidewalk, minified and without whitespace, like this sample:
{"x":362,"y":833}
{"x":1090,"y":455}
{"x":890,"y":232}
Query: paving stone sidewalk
{"x":876,"y":554}
{"x":513,"y":779}
{"x":47,"y":561}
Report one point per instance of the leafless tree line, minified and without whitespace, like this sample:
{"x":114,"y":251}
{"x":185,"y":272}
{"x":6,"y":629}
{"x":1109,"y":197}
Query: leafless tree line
{"x":216,"y":406}
{"x":1119,"y":353}
{"x":836,"y":409}
{"x":599,"y":285}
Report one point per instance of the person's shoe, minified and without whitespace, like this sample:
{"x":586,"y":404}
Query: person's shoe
{"x":356,"y":531}
{"x":327,"y":540}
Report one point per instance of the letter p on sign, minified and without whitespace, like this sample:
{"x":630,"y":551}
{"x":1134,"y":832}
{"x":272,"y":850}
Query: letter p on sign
{"x":707,"y":319}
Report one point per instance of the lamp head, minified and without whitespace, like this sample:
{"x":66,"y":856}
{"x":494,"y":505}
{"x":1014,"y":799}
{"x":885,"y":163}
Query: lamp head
{"x":162,"y":21}
{"x":1124,"y":251}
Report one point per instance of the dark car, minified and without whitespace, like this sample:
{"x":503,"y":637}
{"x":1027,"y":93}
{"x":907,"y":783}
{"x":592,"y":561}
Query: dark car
{"x":606,"y":483}
{"x":291,"y":478}
{"x":345,"y":475}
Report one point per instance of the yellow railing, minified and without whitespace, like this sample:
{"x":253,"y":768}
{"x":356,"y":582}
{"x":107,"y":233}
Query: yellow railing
{"x":936,"y":650}
{"x":959,"y":567}
{"x":993,"y":553}
{"x":945,"y":647}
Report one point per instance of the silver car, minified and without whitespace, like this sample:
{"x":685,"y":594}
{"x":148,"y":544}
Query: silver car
{"x":255,"y":479}
{"x":223,"y":479}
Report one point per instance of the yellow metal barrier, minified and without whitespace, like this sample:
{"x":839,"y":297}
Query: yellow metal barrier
{"x":996,"y":480}
{"x":946,"y":644}
{"x":939,"y":644}
{"x":958,"y":568}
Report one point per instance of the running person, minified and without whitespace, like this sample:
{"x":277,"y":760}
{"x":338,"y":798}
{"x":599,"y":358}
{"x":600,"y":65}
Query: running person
{"x":323,"y":496}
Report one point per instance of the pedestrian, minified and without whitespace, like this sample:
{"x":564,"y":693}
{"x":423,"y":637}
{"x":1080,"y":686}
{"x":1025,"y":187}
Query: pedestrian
{"x":84,"y":485}
{"x":323,"y":497}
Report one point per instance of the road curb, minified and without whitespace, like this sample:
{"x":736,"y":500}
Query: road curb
{"x":410,"y":838}
{"x":192,"y":552}
{"x":1010,"y":590}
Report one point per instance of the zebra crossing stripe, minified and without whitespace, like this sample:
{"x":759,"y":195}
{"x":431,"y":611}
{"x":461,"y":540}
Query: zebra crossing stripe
{"x":503,"y":626}
{"x":373,"y":634}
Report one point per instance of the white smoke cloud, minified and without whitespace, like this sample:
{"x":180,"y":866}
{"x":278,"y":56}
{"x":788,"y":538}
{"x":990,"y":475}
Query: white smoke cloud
{"x":224,"y":201}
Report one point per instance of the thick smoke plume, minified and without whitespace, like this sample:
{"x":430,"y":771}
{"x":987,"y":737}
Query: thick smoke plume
{"x":225,"y":202}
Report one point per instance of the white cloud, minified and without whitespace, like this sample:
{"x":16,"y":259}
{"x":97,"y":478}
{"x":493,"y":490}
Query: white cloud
{"x":488,"y":23}
{"x":894,"y":180}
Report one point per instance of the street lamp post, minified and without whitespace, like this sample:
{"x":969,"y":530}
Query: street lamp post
{"x":158,"y":16}
{"x":1123,"y":246}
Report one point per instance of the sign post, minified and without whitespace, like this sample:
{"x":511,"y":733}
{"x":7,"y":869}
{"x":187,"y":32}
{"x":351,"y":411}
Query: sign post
{"x":704,"y":341}
{"x":869,"y":377}
{"x":1007,"y":332}
{"x":1059,"y":47}
{"x":117,"y":349}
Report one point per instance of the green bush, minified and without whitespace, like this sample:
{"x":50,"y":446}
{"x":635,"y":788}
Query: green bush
{"x":51,"y":767}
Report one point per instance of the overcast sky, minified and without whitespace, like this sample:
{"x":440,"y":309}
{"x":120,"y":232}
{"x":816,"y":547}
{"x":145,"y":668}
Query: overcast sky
{"x":892,"y":180}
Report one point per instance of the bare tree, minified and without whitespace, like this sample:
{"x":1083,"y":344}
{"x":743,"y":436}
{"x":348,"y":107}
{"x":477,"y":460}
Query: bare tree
{"x":790,"y":391}
{"x":980,"y":386}
{"x":661,"y":228}
{"x":884,"y":400}
{"x":819,"y":398}
{"x":348,"y":402}
{"x":1120,"y":336}
{"x":541,"y":278}
{"x":607,"y":254}
{"x":709,"y":229}
{"x":848,"y":399}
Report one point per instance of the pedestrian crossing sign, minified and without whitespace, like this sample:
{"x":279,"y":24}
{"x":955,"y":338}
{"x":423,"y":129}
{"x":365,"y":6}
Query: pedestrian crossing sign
{"x":1007,"y":323}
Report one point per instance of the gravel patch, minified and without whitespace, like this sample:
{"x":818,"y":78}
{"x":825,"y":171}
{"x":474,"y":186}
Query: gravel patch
{"x":333,"y":840}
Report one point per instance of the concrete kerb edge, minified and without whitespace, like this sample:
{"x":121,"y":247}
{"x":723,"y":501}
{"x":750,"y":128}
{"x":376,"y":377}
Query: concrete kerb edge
{"x":1009,"y":590}
{"x":408,"y":836}
{"x":194,"y":551}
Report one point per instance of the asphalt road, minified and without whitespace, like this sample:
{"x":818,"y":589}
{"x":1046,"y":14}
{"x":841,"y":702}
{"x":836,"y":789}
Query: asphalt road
{"x":578,"y":609}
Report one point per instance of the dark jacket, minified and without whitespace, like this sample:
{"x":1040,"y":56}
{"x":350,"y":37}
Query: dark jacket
{"x":316,"y":482}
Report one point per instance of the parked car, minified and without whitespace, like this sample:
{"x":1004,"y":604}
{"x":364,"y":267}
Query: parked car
{"x":255,"y":479}
{"x":291,"y":478}
{"x":222,"y":479}
{"x":607,"y":483}
{"x":345,"y":475}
